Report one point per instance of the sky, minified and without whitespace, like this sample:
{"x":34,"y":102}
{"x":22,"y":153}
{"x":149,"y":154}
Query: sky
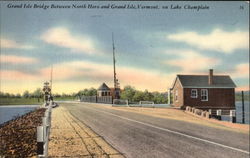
{"x":152,"y":45}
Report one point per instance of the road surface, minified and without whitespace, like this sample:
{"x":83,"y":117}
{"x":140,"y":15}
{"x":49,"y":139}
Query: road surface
{"x":137,"y":135}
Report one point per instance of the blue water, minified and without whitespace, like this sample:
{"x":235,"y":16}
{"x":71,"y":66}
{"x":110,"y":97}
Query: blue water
{"x":239,"y":112}
{"x":10,"y":112}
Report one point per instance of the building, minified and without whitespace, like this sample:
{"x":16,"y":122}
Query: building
{"x":103,"y":90}
{"x":203,"y":91}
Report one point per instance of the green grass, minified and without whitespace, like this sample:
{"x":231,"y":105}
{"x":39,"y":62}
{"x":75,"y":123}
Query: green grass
{"x":30,"y":101}
{"x":19,"y":101}
{"x":64,"y":98}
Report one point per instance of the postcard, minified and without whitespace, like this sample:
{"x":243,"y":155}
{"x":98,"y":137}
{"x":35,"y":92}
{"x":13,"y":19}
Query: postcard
{"x":124,"y":79}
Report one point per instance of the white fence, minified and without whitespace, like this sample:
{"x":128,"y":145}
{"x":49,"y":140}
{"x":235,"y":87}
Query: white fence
{"x":120,"y":102}
{"x":214,"y":113}
{"x":43,"y":133}
{"x":96,"y":99}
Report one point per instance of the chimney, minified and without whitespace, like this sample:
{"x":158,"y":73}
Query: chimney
{"x":210,"y":77}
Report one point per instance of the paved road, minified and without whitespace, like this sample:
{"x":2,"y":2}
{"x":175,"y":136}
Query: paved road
{"x":138,"y":135}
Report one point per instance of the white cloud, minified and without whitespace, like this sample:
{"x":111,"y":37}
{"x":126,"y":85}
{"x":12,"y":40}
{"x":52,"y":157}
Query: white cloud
{"x":241,"y":71}
{"x":5,"y":43}
{"x":243,"y":88}
{"x":17,"y":59}
{"x":190,"y":61}
{"x":98,"y":73}
{"x":218,"y":40}
{"x":14,"y":75}
{"x":62,"y":37}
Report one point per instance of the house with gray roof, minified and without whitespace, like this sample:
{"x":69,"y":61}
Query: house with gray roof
{"x":203,"y":91}
{"x":103,"y":90}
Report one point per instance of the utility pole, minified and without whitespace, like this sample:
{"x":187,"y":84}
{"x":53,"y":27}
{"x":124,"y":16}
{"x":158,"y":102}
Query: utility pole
{"x":116,"y":84}
{"x":51,"y":73}
{"x":51,"y":79}
{"x":114,"y":60}
{"x":243,"y":107}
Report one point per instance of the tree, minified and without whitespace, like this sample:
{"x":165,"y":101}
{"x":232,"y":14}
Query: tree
{"x":160,"y":98}
{"x":87,"y":92}
{"x":26,"y":94}
{"x":1,"y":94}
{"x":91,"y":92}
{"x":18,"y":95}
{"x":37,"y":94}
{"x":128,"y":93}
{"x":147,"y":96}
{"x":139,"y":96}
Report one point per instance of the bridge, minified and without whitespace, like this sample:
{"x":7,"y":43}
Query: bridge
{"x":117,"y":132}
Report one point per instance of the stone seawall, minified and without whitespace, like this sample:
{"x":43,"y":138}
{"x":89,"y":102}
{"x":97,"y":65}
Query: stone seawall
{"x":18,"y":137}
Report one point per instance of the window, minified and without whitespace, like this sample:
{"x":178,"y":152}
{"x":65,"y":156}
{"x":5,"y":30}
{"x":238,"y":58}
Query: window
{"x":194,"y":93}
{"x":176,"y":95}
{"x":204,"y":95}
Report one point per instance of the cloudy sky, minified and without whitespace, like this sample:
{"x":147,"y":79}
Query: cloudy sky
{"x":152,"y":45}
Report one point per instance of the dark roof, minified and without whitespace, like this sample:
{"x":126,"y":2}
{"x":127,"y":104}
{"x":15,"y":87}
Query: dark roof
{"x":200,"y":81}
{"x":103,"y":87}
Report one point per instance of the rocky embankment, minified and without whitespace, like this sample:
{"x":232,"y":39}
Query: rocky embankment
{"x":18,"y":137}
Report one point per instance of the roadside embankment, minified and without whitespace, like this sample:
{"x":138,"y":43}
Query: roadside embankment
{"x":69,"y":137}
{"x":18,"y":137}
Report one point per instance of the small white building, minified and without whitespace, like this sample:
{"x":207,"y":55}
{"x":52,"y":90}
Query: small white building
{"x":103,"y":90}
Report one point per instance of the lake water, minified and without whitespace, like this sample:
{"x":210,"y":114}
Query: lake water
{"x":10,"y":112}
{"x":239,"y":112}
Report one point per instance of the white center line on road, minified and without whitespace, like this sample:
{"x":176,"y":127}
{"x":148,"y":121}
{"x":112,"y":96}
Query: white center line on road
{"x":170,"y":131}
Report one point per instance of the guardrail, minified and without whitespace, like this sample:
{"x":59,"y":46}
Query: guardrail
{"x":217,"y":113}
{"x":43,"y":133}
{"x":232,"y":114}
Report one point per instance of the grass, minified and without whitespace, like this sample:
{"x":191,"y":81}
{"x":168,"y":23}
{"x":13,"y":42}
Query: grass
{"x":64,"y":98}
{"x":20,"y":101}
{"x":29,"y":101}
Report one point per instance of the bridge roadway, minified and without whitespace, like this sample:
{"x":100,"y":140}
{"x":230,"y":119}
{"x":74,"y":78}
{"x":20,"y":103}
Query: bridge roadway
{"x":140,"y":136}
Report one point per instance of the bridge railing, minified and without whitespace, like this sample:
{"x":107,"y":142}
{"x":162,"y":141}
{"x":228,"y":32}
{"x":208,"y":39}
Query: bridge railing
{"x":215,"y":113}
{"x":96,"y":99}
{"x":43,"y":132}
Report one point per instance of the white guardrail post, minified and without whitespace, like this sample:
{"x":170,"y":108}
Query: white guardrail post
{"x":40,"y":140}
{"x":233,"y":116}
{"x":43,"y":134}
{"x":218,"y":113}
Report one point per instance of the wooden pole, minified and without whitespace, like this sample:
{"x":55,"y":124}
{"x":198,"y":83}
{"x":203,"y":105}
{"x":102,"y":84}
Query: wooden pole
{"x":243,"y":107}
{"x":115,"y":84}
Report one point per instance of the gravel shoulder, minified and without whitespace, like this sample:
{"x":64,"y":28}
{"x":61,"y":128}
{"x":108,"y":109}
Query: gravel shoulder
{"x":69,"y":137}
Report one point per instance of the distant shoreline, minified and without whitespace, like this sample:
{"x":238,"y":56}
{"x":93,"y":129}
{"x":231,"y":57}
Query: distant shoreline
{"x":25,"y":105}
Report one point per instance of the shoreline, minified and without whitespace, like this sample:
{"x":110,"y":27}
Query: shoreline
{"x":18,"y":136}
{"x":21,"y":105}
{"x":17,"y":115}
{"x":15,"y":118}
